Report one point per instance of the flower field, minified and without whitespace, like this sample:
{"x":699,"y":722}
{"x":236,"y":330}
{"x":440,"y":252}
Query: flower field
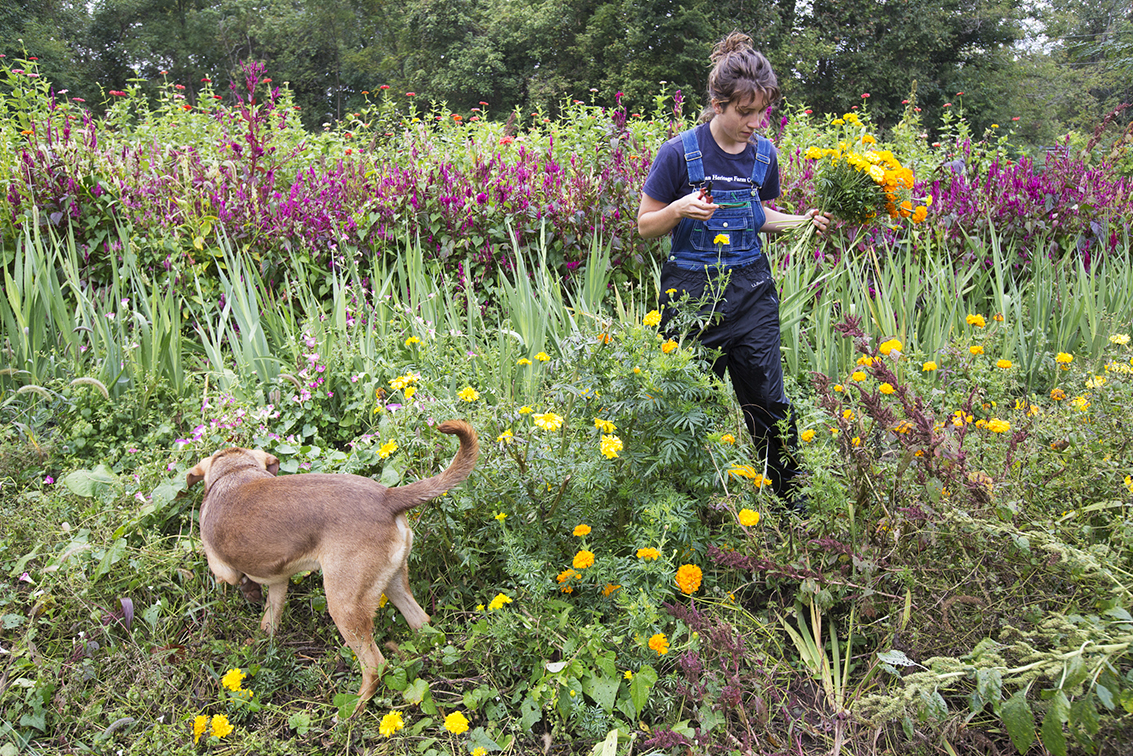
{"x":615,"y":577}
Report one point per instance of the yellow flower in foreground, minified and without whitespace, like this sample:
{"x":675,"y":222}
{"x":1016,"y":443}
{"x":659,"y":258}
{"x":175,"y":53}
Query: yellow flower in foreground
{"x":548,"y":421}
{"x":807,"y":436}
{"x":688,"y":578}
{"x":604,"y":425}
{"x":410,"y":391}
{"x":892,"y":345}
{"x":886,"y":388}
{"x":543,"y":357}
{"x":652,"y":318}
{"x":412,"y":340}
{"x":232,"y":679}
{"x":977,"y":349}
{"x":865,"y":360}
{"x":506,"y":437}
{"x":582,"y":559}
{"x":929,"y":367}
{"x":629,"y":673}
{"x":659,"y":643}
{"x":525,"y":410}
{"x":581,"y":530}
{"x":976,"y":320}
{"x":220,"y":726}
{"x":479,"y":751}
{"x":669,"y":346}
{"x":523,"y":362}
{"x":1057,"y":394}
{"x":200,"y":724}
{"x":1003,"y":364}
{"x":1062,"y":358}
{"x":498,"y":602}
{"x":390,"y":724}
{"x":728,"y":438}
{"x":749,"y":518}
{"x":744,"y":471}
{"x":610,"y":446}
{"x":469,"y":394}
{"x":838,"y":387}
{"x":456,"y":723}
{"x":858,"y":376}
{"x":648,"y":553}
{"x":722,"y":239}
{"x":1121,"y":339}
{"x":501,"y":516}
{"x":998,"y":426}
{"x":1080,"y":403}
{"x":388,"y":448}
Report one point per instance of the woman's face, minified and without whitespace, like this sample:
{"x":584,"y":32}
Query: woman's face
{"x":736,"y":121}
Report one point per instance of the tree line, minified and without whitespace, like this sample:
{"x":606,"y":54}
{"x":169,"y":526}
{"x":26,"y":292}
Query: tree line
{"x":1030,"y":66}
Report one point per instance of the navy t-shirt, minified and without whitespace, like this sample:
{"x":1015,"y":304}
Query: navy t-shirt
{"x":668,"y":178}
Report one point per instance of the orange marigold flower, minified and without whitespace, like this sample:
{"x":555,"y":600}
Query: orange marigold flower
{"x":688,"y":578}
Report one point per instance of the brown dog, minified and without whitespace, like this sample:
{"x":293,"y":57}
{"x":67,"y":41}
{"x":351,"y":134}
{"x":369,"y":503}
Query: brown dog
{"x":257,"y":528}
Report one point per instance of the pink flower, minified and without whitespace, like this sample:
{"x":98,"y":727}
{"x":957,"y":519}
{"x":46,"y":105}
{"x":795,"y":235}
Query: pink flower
{"x":865,"y":95}
{"x":48,"y":480}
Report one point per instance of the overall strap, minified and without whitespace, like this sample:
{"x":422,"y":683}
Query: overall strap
{"x":762,"y":162}
{"x":693,"y":157}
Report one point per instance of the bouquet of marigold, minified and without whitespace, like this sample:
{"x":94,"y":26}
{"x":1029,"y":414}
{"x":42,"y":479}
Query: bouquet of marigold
{"x":856,"y":182}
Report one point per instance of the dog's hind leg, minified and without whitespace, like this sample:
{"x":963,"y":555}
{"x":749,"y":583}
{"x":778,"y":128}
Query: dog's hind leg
{"x":277,"y":594}
{"x":399,"y":594}
{"x":354,"y":617}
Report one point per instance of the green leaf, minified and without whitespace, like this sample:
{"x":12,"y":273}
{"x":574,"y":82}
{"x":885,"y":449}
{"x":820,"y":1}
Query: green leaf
{"x":1084,"y":722}
{"x":1054,"y":739}
{"x":1105,"y":696}
{"x":87,"y":483}
{"x":113,"y":554}
{"x":604,"y":690}
{"x":989,"y":684}
{"x":415,"y":692}
{"x":396,"y":680}
{"x":530,"y":712}
{"x":1019,"y":720}
{"x":641,"y":686}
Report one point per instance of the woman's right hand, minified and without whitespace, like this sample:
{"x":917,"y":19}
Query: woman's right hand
{"x":654,"y":218}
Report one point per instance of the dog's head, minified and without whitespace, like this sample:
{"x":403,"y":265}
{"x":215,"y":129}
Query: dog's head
{"x":230,"y":460}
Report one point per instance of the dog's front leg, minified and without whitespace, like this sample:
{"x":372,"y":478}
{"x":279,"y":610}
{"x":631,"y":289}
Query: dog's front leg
{"x":277,"y":594}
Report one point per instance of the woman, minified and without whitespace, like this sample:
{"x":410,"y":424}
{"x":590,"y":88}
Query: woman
{"x":707,"y":187}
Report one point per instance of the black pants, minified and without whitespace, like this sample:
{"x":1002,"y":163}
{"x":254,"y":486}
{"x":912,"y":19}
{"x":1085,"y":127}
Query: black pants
{"x":749,"y":337}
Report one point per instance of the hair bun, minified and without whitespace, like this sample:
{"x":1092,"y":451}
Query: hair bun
{"x":735,"y":42}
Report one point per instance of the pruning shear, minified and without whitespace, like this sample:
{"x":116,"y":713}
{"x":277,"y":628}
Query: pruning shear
{"x":706,"y":192}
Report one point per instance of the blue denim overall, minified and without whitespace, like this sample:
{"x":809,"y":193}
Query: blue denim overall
{"x":748,"y":333}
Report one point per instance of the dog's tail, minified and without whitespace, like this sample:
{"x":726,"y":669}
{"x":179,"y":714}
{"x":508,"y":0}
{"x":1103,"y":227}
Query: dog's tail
{"x":458,"y":470}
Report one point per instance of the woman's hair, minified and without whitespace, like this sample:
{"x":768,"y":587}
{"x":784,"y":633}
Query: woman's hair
{"x":739,"y":73}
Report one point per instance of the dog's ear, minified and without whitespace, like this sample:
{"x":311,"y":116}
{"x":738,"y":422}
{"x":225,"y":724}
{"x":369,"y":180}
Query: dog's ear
{"x":198,"y":473}
{"x":269,"y":461}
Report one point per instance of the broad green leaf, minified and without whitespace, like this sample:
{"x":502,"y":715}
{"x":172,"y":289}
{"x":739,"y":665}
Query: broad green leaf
{"x":87,"y":483}
{"x":1105,"y":696}
{"x":1019,"y":720}
{"x":641,"y":686}
{"x":415,"y":692}
{"x":1084,"y":722}
{"x":1054,"y":739}
{"x":989,"y":684}
{"x":113,"y":554}
{"x":604,"y":690}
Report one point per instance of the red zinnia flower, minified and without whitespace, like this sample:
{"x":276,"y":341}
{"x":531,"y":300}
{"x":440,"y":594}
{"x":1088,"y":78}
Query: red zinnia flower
{"x":410,"y":94}
{"x":384,"y":86}
{"x":865,"y":95}
{"x":206,"y":80}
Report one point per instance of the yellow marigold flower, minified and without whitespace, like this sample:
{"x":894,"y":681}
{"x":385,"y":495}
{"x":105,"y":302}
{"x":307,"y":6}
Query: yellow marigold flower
{"x":525,"y":410}
{"x":200,"y":724}
{"x":976,"y":320}
{"x":865,"y":360}
{"x":749,"y":518}
{"x":848,"y":414}
{"x":1004,"y":364}
{"x":648,"y":553}
{"x":506,"y":437}
{"x":868,"y":139}
{"x":728,"y":438}
{"x":456,"y":723}
{"x":903,"y":427}
{"x":1129,"y":483}
{"x":469,"y":394}
{"x":928,"y":367}
{"x":998,"y":426}
{"x":566,"y":575}
{"x":919,"y":214}
{"x":220,"y":726}
{"x":604,"y":425}
{"x":659,"y":643}
{"x":581,"y":530}
{"x":410,"y":391}
{"x":1080,"y":403}
{"x":610,"y":588}
{"x":523,"y":362}
{"x":548,"y":421}
{"x":877,"y":173}
{"x":837,"y":122}
{"x":688,"y":578}
{"x":479,"y":751}
{"x":892,"y":345}
{"x":501,"y":516}
{"x":1057,"y":394}
{"x":390,"y":724}
{"x":857,"y":375}
{"x":498,"y":602}
{"x":743,"y":471}
{"x":582,"y":559}
{"x":1121,"y":339}
{"x":652,"y":318}
{"x":629,"y":673}
{"x":610,"y":446}
{"x":543,"y":357}
{"x":232,"y":679}
{"x":856,"y":441}
{"x":412,"y":340}
{"x":807,"y":435}
{"x":838,"y":387}
{"x":1062,"y":358}
{"x":1095,"y":382}
{"x":886,"y":388}
{"x":721,"y":239}
{"x":977,"y":349}
{"x":670,"y":292}
{"x":388,"y":448}
{"x":669,"y":346}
